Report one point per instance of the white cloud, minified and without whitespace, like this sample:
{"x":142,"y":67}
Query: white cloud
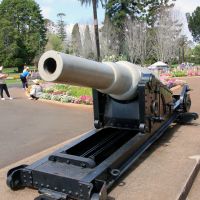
{"x":187,"y":5}
{"x":46,"y":11}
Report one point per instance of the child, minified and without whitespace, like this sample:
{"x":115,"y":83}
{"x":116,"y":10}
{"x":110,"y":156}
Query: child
{"x":3,"y":86}
{"x":36,"y":90}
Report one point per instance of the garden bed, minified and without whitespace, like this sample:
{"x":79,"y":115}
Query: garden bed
{"x":67,"y":94}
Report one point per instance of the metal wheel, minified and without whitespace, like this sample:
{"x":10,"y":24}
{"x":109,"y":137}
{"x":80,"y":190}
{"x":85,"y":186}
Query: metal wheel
{"x":187,"y":103}
{"x":13,"y":177}
{"x":11,"y":183}
{"x":15,"y":168}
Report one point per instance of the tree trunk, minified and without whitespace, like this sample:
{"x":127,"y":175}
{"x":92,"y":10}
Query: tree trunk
{"x":96,"y":31}
{"x":183,"y":55}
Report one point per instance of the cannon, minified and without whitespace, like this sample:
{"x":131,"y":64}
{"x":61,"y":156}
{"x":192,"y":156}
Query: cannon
{"x":132,"y":109}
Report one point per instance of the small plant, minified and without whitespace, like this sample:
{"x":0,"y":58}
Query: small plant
{"x":86,"y":100}
{"x":61,"y":87}
{"x":67,"y":94}
{"x":66,"y":99}
{"x":48,"y":90}
{"x":15,"y":77}
{"x":45,"y":96}
{"x":55,"y":97}
{"x":114,"y":58}
{"x":179,"y":73}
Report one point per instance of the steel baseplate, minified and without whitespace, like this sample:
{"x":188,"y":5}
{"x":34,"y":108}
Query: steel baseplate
{"x":87,"y":168}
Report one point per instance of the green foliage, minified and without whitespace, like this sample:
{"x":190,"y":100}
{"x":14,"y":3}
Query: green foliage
{"x":194,"y":24}
{"x":61,"y":27}
{"x":67,"y":99}
{"x":54,"y":43}
{"x":13,"y":81}
{"x":121,"y":10}
{"x":61,"y":87}
{"x":179,"y":73}
{"x":56,"y":97}
{"x":193,"y":55}
{"x":115,"y":58}
{"x":45,"y":96}
{"x":196,"y":54}
{"x":23,"y":33}
{"x":75,"y":91}
{"x":79,"y":91}
{"x":152,"y":8}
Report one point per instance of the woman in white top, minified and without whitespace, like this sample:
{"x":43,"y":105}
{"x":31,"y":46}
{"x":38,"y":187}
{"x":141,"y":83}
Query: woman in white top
{"x":3,"y":86}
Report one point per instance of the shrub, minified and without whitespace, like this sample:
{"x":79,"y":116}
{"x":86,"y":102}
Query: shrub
{"x":114,"y":58}
{"x":66,"y":99}
{"x":86,"y":100}
{"x":56,"y":97}
{"x":48,"y":90}
{"x":179,"y":73}
{"x":45,"y":96}
{"x":61,"y":87}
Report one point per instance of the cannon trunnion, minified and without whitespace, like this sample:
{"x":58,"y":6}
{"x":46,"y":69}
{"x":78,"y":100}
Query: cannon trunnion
{"x":132,"y":109}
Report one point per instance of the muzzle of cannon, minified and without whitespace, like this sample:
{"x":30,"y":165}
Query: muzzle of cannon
{"x":132,"y":109}
{"x":119,"y":80}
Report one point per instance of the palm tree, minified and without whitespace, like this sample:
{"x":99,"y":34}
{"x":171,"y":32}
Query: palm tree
{"x":95,"y":5}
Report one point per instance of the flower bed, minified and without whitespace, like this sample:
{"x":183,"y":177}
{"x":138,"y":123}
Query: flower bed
{"x":192,"y":71}
{"x":67,"y":94}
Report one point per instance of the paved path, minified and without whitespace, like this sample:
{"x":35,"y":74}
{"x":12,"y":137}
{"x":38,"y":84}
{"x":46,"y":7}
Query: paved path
{"x":28,"y":127}
{"x":195,"y":191}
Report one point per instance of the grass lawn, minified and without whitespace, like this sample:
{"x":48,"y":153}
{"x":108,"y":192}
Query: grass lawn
{"x":13,"y":81}
{"x":80,"y":91}
{"x":12,"y":70}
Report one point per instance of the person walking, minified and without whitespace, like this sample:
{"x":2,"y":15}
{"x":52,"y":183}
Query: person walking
{"x":3,"y":86}
{"x":24,"y":78}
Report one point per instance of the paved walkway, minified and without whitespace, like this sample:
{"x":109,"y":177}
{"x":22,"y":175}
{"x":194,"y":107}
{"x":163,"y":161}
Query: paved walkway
{"x":28,"y":127}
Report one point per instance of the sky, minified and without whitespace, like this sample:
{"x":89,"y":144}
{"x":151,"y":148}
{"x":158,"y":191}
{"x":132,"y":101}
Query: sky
{"x":76,"y":13}
{"x":72,"y":8}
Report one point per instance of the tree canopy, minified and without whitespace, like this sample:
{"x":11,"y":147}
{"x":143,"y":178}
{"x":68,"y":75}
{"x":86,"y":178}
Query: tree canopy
{"x":61,"y":27}
{"x":194,"y":24}
{"x":23,"y":32}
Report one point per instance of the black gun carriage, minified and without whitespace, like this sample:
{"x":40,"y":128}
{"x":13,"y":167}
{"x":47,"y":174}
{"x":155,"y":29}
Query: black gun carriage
{"x":132,"y":109}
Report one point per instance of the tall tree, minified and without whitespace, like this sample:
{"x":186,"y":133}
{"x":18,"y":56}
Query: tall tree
{"x":23,"y":32}
{"x":54,"y":43}
{"x":119,"y":11}
{"x":61,"y":27}
{"x":167,"y":35}
{"x":87,"y":44}
{"x":95,"y":5}
{"x":194,"y":24}
{"x":109,"y":40}
{"x":136,"y":40}
{"x":153,"y":7}
{"x":76,"y":40}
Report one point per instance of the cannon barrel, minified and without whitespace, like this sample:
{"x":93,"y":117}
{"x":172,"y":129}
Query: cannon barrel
{"x":119,"y":80}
